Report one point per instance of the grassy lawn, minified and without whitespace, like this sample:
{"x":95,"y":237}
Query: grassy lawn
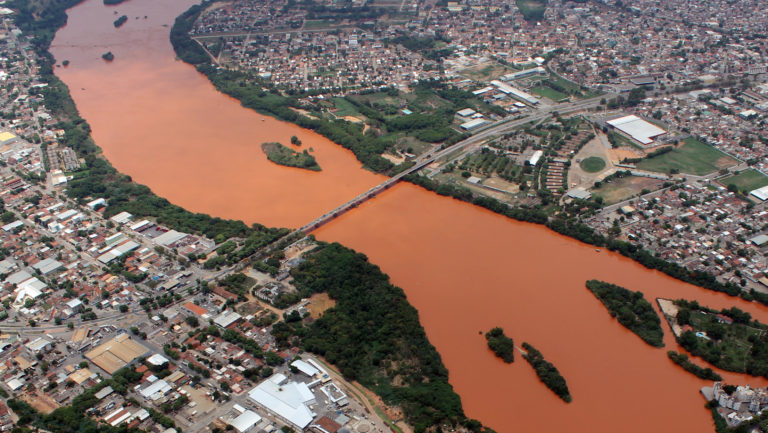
{"x":548,"y":92}
{"x":345,"y":108}
{"x":532,"y":10}
{"x":486,"y":71}
{"x":623,"y":188}
{"x":593,"y":164}
{"x":747,"y":180}
{"x":693,"y":157}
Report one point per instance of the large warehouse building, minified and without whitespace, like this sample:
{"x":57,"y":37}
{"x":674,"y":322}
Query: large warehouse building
{"x":116,"y":353}
{"x":289,"y":401}
{"x":642,"y":131}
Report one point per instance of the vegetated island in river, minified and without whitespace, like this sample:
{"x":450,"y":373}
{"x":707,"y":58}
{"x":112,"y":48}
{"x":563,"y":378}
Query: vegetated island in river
{"x":631,"y":310}
{"x":501,"y":345}
{"x":113,"y":2}
{"x":108,"y":56}
{"x":682,"y":360}
{"x":120,"y":21}
{"x":728,"y":339}
{"x":547,"y":373}
{"x":283,"y":155}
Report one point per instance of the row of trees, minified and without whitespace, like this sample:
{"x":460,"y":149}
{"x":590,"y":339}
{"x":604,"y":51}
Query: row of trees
{"x":682,"y":360}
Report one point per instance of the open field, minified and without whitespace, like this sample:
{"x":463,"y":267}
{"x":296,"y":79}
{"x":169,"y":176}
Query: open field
{"x":621,"y":189}
{"x":486,"y":71}
{"x":593,"y":164}
{"x":548,"y":92}
{"x":318,"y":303}
{"x":747,"y":180}
{"x":693,"y":157}
{"x":345,"y":108}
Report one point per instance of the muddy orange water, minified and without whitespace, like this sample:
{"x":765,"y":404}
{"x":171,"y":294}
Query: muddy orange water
{"x":464,"y":268}
{"x":163,"y":123}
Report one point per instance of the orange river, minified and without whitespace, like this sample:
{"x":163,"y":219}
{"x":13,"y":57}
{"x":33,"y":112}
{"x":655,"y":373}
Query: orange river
{"x":464,"y":268}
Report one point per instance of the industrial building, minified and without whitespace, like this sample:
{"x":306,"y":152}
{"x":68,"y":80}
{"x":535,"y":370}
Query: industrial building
{"x":515,"y":93}
{"x":760,"y":193}
{"x":116,"y":353}
{"x":288,"y":401}
{"x":473,"y":124}
{"x":638,"y":129}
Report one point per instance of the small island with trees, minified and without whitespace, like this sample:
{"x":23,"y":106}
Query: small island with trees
{"x":501,"y":345}
{"x":282,"y":155}
{"x":108,"y":56}
{"x":547,"y":373}
{"x":120,"y":21}
{"x":113,"y":2}
{"x":631,"y":310}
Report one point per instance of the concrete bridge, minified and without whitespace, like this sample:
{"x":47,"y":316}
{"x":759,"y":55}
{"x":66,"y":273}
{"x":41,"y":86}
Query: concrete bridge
{"x":496,"y":128}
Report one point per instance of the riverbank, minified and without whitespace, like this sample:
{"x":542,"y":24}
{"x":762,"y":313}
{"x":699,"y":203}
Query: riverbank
{"x":236,"y":84}
{"x":120,"y":190}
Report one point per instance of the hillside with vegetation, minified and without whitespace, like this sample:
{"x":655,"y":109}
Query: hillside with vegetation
{"x":631,"y":310}
{"x":282,"y":155}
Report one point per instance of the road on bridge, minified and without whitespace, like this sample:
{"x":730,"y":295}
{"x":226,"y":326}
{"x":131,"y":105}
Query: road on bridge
{"x":494,"y":129}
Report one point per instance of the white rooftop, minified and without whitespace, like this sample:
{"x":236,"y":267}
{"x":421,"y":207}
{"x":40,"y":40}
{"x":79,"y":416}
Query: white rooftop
{"x":157,"y":359}
{"x":245,"y":421}
{"x":287,"y":400}
{"x":637,"y":128}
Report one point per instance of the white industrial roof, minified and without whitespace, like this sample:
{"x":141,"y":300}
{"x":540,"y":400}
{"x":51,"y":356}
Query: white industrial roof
{"x":118,"y":251}
{"x":122,"y":217}
{"x":761,"y":193}
{"x":245,"y":421}
{"x":156,"y":390}
{"x":157,"y":359}
{"x":288,"y":401}
{"x":47,"y":266}
{"x":10,"y":226}
{"x":169,"y":237}
{"x":18,"y":277}
{"x":38,"y":344}
{"x":305,"y":367}
{"x":226,"y":318}
{"x":637,"y":128}
{"x":473,"y":124}
{"x":535,"y":157}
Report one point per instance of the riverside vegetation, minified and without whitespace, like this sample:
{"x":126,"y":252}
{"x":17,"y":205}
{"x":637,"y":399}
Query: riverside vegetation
{"x":682,"y":360}
{"x":249,"y":90}
{"x":631,"y":310}
{"x":547,"y":373}
{"x":282,"y":155}
{"x":368,"y":334}
{"x":100,"y":179}
{"x":501,"y":345}
{"x":373,"y":336}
